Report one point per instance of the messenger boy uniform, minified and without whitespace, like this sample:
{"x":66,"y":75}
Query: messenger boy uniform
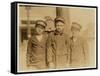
{"x":36,"y":52}
{"x":58,"y":49}
{"x":79,"y":48}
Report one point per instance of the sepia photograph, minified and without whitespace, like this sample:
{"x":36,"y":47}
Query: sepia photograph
{"x":53,"y":37}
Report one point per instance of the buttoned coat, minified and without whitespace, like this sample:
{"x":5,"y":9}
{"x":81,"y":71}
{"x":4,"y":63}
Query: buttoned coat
{"x":79,"y":52}
{"x":58,"y":51}
{"x":36,"y":52}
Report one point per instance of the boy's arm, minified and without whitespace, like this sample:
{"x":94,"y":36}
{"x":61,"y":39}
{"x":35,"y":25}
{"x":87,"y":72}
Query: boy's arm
{"x":86,"y":52}
{"x":68,"y":44}
{"x":49,"y":52}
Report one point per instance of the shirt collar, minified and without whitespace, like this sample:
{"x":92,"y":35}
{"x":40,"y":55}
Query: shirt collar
{"x":58,"y":33}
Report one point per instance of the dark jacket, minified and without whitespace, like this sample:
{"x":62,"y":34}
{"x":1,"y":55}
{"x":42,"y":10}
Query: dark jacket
{"x":79,"y":52}
{"x":58,"y":50}
{"x":36,"y":52}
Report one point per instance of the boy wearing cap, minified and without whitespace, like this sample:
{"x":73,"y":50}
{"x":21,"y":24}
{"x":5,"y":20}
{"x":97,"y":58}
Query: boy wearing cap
{"x":58,"y":46}
{"x":36,"y":53}
{"x":79,"y":50}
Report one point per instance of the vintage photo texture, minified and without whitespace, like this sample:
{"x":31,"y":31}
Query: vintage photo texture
{"x":55,"y":37}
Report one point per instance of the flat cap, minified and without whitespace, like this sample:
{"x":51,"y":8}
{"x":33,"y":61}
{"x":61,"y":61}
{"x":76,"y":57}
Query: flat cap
{"x":76,"y":25}
{"x":60,"y":19}
{"x":41,"y":22}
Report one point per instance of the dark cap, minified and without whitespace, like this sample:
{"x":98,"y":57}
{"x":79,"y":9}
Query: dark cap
{"x":41,"y":22}
{"x":61,"y":19}
{"x":76,"y":25}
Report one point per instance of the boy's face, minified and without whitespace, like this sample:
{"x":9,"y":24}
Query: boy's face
{"x":59,"y":26}
{"x":39,"y":29}
{"x":75,"y":32}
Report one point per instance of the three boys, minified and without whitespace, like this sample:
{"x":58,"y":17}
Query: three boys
{"x":57,"y":50}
